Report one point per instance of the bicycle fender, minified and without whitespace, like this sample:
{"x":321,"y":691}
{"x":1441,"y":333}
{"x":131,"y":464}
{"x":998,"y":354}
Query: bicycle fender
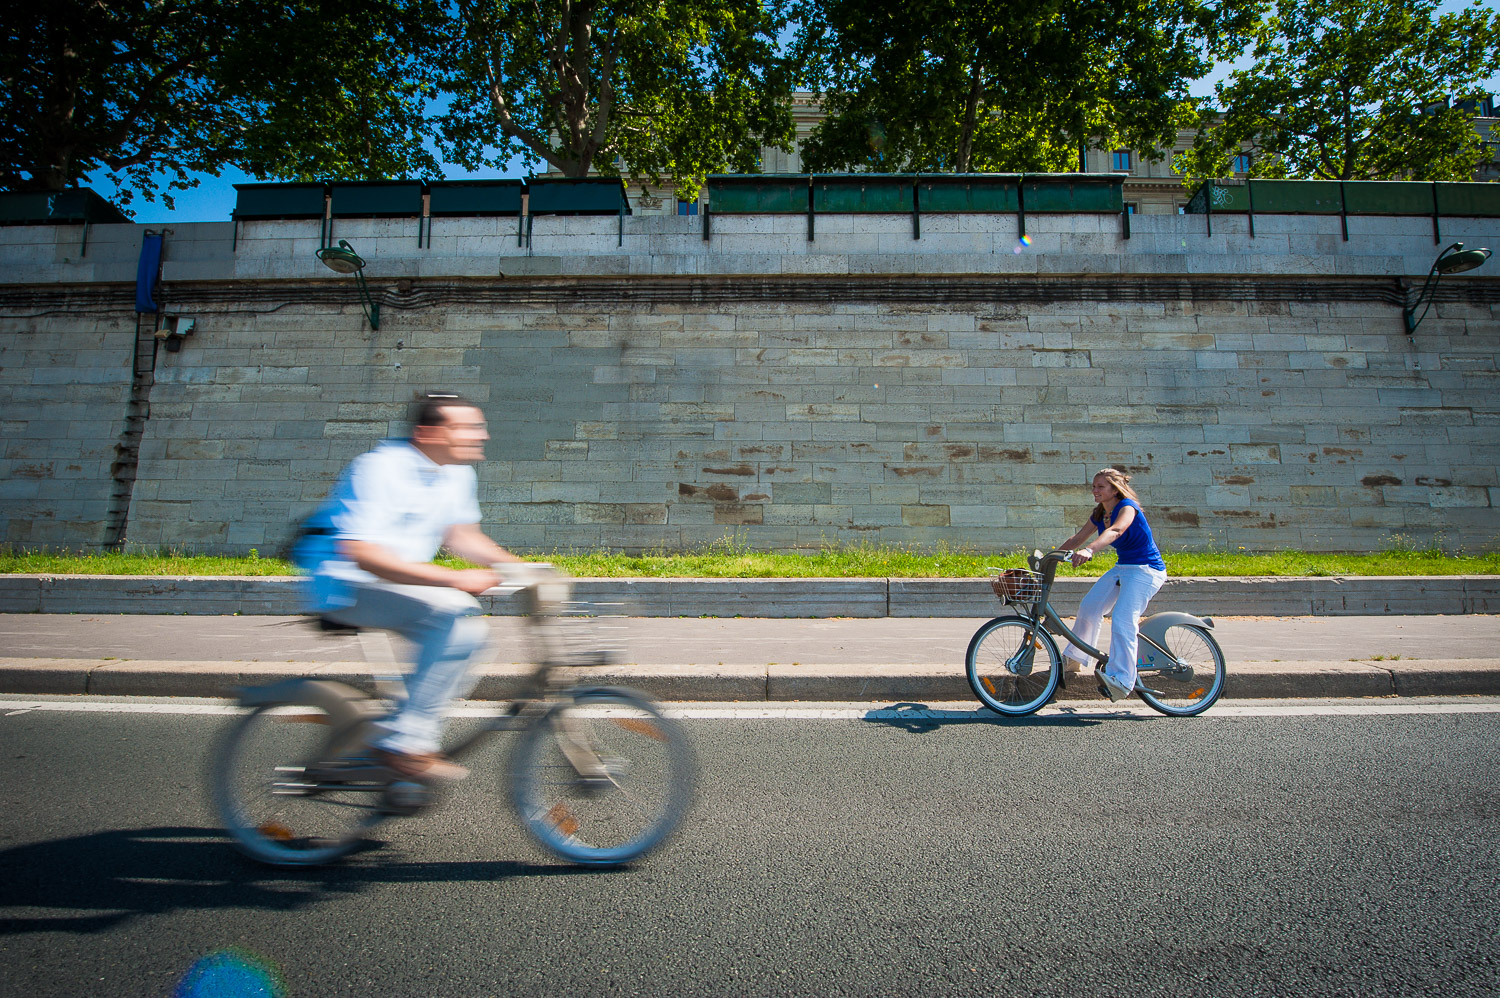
{"x":1155,"y":626}
{"x":331,"y":696}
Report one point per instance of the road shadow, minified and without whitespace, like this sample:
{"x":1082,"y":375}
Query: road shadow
{"x":919,"y":718}
{"x":103,"y":879}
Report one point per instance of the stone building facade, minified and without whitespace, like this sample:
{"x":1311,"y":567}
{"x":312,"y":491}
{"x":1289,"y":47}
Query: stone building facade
{"x":652,"y":389}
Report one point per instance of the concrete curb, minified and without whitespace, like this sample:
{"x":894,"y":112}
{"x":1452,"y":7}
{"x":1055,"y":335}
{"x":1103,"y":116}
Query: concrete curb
{"x":1234,"y":596}
{"x":769,"y":682}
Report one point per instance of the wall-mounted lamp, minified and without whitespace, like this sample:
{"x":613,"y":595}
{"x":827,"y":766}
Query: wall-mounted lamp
{"x":343,"y":260}
{"x":1453,"y":260}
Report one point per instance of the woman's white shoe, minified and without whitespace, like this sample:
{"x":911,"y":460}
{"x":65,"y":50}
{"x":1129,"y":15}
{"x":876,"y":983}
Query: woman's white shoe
{"x":1111,"y":687}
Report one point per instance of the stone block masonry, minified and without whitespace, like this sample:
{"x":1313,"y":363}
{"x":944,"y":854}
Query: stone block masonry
{"x":782,"y":394}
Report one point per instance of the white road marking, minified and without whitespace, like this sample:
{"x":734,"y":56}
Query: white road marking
{"x":957,"y":711}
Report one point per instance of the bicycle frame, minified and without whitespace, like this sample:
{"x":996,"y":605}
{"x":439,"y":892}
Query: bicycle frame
{"x":550,"y":651}
{"x":1044,"y":617}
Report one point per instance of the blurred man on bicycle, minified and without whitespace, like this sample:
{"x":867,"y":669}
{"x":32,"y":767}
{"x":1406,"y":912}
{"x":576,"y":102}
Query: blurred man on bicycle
{"x":369,"y":550}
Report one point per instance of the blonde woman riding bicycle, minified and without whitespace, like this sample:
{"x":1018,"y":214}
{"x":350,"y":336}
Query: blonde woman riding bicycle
{"x":1119,"y":522}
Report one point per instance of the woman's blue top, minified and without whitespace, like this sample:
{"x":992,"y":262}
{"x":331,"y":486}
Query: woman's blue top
{"x":1135,"y":546}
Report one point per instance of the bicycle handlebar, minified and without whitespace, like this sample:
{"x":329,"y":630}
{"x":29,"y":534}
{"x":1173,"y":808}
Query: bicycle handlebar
{"x":1039,"y":559}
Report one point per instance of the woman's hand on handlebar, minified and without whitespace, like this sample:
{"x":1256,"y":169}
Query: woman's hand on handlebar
{"x":1080,"y":556}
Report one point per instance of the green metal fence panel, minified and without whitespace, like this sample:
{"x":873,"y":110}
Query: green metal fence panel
{"x":25,"y":208}
{"x":1220,"y":195}
{"x":1481,"y":200}
{"x":1357,"y":197}
{"x":1385,"y":197}
{"x":762,"y":194}
{"x":578,"y":197}
{"x":1086,"y":193}
{"x":75,"y":204}
{"x":862,"y":193}
{"x":977,"y":193}
{"x":1295,"y":197}
{"x":270,"y":201}
{"x":376,"y":199}
{"x":474,"y":198}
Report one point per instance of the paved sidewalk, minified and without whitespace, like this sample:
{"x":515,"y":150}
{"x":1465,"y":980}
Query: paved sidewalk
{"x":839,"y":659}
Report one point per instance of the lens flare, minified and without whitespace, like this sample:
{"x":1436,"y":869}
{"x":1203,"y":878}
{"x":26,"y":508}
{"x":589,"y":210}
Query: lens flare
{"x":1022,"y":244}
{"x":230,"y":974}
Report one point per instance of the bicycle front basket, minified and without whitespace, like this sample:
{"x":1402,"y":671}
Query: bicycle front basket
{"x":1017,"y":585}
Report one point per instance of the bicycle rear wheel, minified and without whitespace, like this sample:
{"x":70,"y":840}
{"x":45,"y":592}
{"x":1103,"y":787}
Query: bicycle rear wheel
{"x":602,"y":778}
{"x":1190,"y":680}
{"x":1013,"y":668}
{"x":281,"y":797}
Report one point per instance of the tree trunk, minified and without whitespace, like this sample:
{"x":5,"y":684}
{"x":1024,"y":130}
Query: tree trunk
{"x":971,"y":117}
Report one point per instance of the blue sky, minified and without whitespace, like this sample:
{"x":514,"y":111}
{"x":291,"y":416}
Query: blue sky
{"x":213,"y":199}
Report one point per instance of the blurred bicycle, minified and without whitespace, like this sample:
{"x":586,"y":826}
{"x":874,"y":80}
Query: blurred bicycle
{"x":598,"y":775}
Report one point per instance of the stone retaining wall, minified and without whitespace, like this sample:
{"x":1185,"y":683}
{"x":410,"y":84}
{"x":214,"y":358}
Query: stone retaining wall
{"x":665,"y":392}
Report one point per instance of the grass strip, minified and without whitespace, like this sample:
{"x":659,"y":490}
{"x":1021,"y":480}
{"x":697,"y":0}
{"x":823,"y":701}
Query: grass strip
{"x":861,"y":561}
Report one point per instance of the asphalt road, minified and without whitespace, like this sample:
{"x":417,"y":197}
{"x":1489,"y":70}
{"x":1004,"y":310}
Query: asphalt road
{"x":1247,"y":852}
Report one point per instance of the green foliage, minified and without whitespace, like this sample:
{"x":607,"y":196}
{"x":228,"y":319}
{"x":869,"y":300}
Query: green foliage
{"x":336,"y":90}
{"x":1349,"y":90}
{"x":729,"y":558}
{"x":959,"y":86}
{"x":667,"y":91}
{"x":25,"y":562}
{"x":301,"y":89}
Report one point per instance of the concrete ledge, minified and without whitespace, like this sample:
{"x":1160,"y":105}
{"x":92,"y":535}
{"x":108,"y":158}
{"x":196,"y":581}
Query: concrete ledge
{"x":20,"y":594}
{"x":744,"y":682}
{"x":1237,"y":597}
{"x":1460,"y":677}
{"x":738,"y":597}
{"x":866,"y":682}
{"x":1256,"y":680}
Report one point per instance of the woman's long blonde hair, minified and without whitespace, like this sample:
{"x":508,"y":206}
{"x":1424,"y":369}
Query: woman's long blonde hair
{"x":1119,"y":481}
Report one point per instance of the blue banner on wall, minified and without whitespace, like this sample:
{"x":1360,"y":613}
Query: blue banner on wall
{"x":147,"y":273}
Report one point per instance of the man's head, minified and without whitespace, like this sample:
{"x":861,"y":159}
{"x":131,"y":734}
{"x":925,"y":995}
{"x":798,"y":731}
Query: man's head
{"x":449,"y":429}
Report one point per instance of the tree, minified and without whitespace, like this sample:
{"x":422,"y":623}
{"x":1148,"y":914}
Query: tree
{"x":972,"y":86}
{"x":1353,"y":90}
{"x":666,"y":91}
{"x":299,"y":89}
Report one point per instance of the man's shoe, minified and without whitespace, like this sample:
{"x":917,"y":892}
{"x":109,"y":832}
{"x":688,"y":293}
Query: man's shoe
{"x":424,"y":766}
{"x":1111,"y":687}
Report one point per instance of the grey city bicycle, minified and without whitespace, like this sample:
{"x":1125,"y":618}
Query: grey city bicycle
{"x":1014,"y":666}
{"x":598,"y":775}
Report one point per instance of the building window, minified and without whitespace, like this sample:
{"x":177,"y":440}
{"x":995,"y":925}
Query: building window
{"x":1122,"y":159}
{"x":687,"y":207}
{"x":1480,"y":107}
{"x":1131,"y":208}
{"x":1241,"y":163}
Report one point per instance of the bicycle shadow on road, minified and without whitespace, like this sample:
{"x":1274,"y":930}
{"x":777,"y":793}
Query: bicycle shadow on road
{"x":110,"y":877}
{"x":919,"y":718}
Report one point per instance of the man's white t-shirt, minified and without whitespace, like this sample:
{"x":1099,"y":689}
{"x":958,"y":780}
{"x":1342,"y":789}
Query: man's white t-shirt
{"x":394,"y":496}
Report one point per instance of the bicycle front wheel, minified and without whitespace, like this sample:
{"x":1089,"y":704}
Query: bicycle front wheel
{"x":280,"y":794}
{"x":1191,"y":678}
{"x":1013,"y":667}
{"x":602,"y":778}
